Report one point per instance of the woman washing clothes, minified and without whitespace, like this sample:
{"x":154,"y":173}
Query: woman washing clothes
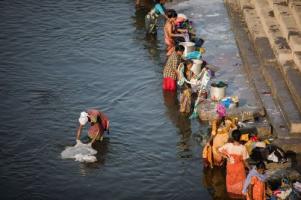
{"x":221,"y":130}
{"x":170,"y":69}
{"x":236,"y":155}
{"x":170,"y":31}
{"x":98,"y":124}
{"x":151,"y":19}
{"x":183,"y":25}
{"x":184,"y":70}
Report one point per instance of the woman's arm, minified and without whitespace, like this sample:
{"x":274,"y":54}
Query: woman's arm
{"x":246,"y":164}
{"x":223,"y":151}
{"x":250,"y":191}
{"x":170,"y":33}
{"x":79,"y":130}
{"x":181,"y":30}
{"x":108,"y":127}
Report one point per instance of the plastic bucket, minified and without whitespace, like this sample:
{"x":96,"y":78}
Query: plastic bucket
{"x":189,"y":47}
{"x":197,"y":66}
{"x":217,"y":93}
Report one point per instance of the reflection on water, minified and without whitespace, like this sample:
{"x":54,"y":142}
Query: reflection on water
{"x":181,"y":121}
{"x":215,"y":182}
{"x":184,"y":144}
{"x":102,"y":149}
{"x":139,"y":18}
{"x":150,"y":42}
{"x":145,"y":4}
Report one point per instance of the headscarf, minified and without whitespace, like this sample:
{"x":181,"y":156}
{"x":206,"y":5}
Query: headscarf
{"x":253,"y":172}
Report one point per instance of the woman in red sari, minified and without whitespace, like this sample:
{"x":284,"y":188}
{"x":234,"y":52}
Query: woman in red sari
{"x":236,"y":155}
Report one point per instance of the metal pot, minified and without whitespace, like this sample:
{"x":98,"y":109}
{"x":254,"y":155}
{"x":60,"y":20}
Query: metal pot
{"x":189,"y":47}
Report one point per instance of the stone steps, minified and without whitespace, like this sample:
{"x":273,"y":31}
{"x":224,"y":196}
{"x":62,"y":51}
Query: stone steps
{"x":253,"y":70}
{"x":289,"y":28}
{"x":272,"y":29}
{"x":275,"y":73}
{"x":280,"y":91}
{"x":288,"y":25}
{"x":266,"y":34}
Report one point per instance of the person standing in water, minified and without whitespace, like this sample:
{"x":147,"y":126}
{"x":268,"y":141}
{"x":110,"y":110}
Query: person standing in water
{"x":170,"y":69}
{"x":169,"y":31}
{"x":184,"y":70}
{"x":98,"y":124}
{"x":236,"y":155}
{"x":151,"y":19}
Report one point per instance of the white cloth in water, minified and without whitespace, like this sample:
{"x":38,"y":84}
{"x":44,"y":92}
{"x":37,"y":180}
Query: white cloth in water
{"x":83,"y":118}
{"x":80,"y":152}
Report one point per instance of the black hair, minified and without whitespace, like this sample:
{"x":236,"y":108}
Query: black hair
{"x":236,"y":135}
{"x":180,"y":48}
{"x":185,"y":64}
{"x":188,"y":62}
{"x":260,"y":165}
{"x":204,"y":64}
{"x":171,"y":13}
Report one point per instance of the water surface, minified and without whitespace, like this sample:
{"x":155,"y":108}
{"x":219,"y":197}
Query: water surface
{"x":58,"y":58}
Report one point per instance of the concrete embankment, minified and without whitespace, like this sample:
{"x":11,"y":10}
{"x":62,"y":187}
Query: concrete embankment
{"x":268,"y":34}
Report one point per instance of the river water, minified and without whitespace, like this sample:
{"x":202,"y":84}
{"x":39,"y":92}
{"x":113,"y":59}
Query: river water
{"x":58,"y":58}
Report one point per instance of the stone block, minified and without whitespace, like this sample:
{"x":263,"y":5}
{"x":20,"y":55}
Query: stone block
{"x":264,"y":50}
{"x":271,"y":27}
{"x":284,"y":98}
{"x":278,"y":166}
{"x":246,"y":4}
{"x":254,"y":24}
{"x":297,"y":59}
{"x":276,"y":174}
{"x":290,"y":144}
{"x":295,"y":9}
{"x":288,"y":26}
{"x":293,"y":80}
{"x":294,"y":41}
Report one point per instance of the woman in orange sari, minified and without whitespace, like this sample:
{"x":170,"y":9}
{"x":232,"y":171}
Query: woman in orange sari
{"x":169,"y":31}
{"x":236,"y":155}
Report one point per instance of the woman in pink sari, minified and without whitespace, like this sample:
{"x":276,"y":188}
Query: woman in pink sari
{"x":236,"y":155}
{"x":169,"y":31}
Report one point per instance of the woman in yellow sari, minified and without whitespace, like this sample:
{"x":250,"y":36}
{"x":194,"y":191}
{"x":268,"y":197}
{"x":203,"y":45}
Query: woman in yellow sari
{"x":221,"y":130}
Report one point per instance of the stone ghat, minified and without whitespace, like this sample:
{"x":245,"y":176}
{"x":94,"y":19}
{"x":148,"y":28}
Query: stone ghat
{"x":272,"y":59}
